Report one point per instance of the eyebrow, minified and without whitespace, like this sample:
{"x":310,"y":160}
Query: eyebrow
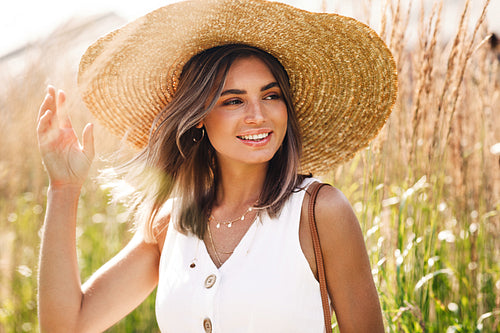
{"x":241,"y":92}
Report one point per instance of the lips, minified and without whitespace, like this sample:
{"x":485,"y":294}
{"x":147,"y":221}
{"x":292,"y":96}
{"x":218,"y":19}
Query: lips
{"x":254,"y":137}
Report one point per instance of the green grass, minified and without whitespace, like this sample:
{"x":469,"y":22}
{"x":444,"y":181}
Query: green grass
{"x":101,"y":234}
{"x":435,"y":262}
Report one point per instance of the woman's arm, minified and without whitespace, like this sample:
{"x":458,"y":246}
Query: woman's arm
{"x":111,"y":293}
{"x":116,"y":288}
{"x":347,"y":266}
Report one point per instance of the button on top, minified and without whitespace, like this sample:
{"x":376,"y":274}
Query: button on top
{"x":207,"y":325}
{"x":210,"y":281}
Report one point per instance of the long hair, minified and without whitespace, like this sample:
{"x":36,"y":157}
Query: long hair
{"x":173,"y":165}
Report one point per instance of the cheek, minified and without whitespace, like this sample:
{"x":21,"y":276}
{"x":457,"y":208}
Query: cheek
{"x":213,"y":124}
{"x":219,"y":132}
{"x":215,"y":135}
{"x":283,"y":120}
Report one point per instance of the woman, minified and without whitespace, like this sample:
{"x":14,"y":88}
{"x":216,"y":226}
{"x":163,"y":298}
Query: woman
{"x":219,"y":200}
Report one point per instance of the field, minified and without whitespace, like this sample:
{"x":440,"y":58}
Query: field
{"x":426,"y":191}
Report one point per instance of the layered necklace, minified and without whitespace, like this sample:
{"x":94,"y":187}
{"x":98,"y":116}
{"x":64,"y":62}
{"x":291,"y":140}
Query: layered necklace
{"x":228,"y":224}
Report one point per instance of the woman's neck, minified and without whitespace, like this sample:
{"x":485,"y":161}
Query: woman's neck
{"x":240,"y":186}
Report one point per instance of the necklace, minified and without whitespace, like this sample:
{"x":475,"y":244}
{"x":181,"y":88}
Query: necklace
{"x":219,"y":262}
{"x":229,"y":223}
{"x":212,"y":243}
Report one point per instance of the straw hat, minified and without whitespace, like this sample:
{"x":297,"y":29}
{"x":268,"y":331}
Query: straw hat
{"x":343,"y":76}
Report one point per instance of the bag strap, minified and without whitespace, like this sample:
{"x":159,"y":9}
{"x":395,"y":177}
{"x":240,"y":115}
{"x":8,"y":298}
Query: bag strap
{"x":318,"y":255}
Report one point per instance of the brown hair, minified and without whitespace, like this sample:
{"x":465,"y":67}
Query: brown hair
{"x":174,"y":166}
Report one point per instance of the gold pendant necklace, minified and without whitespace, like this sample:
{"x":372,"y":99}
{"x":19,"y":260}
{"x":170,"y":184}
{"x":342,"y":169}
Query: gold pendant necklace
{"x":212,"y":243}
{"x":229,"y":223}
{"x":219,"y":262}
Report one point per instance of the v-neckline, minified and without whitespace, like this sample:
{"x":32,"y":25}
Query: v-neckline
{"x":238,"y":247}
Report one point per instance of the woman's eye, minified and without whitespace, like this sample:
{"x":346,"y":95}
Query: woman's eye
{"x":232,"y":102}
{"x":272,"y":96}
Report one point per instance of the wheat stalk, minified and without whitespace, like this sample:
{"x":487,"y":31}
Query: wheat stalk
{"x":468,"y":53}
{"x":427,"y":59}
{"x":449,"y":73}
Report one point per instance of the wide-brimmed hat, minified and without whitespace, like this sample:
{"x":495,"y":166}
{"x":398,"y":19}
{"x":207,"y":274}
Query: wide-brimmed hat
{"x":342,"y":75}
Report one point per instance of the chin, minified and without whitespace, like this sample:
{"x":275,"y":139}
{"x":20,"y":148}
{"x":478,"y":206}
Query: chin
{"x":249,"y":157}
{"x":259,"y":159}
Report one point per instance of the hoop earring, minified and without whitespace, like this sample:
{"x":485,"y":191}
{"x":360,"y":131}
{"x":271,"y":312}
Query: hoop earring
{"x":202,"y":136}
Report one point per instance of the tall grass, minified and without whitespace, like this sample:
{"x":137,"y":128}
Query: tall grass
{"x":426,"y":191}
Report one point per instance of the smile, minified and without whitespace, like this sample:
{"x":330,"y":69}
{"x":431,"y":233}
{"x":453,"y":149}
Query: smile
{"x":254,"y":137}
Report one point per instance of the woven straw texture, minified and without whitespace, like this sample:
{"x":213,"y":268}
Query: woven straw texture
{"x":343,"y":76}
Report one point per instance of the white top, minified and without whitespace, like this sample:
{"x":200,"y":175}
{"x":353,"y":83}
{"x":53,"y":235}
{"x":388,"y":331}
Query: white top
{"x":266,"y":285}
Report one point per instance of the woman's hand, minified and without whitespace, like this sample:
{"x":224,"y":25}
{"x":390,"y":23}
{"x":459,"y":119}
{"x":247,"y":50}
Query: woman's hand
{"x":66,"y":160}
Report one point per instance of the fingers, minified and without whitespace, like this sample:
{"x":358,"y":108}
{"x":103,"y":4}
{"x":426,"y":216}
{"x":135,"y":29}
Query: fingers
{"x":51,"y":101}
{"x":61,"y":98}
{"x":51,"y":93}
{"x":54,"y":124}
{"x":54,"y":102}
{"x":88,"y":141}
{"x":47,"y":129}
{"x":44,"y":122}
{"x":47,"y":104}
{"x":47,"y":122}
{"x":51,"y":90}
{"x":63,"y":116}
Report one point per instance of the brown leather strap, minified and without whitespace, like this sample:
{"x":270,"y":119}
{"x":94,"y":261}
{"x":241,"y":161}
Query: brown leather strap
{"x":318,"y":255}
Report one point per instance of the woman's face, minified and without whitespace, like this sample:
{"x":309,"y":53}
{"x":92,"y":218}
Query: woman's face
{"x":249,"y":121}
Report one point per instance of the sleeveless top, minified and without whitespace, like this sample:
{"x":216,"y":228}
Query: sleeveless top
{"x":266,"y":285}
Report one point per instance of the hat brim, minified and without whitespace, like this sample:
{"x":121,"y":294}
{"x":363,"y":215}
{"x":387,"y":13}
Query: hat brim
{"x":343,"y":76}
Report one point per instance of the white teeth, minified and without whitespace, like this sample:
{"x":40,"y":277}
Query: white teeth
{"x":255,"y":136}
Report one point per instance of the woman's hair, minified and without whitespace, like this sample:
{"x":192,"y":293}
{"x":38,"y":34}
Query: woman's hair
{"x":173,"y":165}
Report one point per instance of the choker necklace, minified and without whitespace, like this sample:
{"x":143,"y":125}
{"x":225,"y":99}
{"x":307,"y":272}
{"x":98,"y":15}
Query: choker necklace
{"x":229,"y":223}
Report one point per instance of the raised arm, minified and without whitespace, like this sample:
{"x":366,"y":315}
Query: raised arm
{"x":120,"y":285}
{"x":347,"y":266}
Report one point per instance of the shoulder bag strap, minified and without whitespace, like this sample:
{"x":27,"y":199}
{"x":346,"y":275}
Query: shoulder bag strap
{"x":319,"y":257}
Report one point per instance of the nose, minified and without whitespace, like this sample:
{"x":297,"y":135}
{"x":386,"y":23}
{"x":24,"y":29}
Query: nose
{"x":255,"y":113}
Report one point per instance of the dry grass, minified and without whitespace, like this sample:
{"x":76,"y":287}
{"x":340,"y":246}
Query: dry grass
{"x":433,"y":175}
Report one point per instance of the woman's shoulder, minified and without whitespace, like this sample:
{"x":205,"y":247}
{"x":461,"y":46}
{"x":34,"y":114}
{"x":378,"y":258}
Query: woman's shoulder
{"x":334,"y":214}
{"x":331,"y":200}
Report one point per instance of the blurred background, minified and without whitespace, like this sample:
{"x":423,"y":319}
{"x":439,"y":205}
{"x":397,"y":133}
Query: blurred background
{"x":426,"y":191}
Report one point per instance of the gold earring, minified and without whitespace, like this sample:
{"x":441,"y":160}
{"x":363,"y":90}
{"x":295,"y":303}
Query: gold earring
{"x":202,"y":136}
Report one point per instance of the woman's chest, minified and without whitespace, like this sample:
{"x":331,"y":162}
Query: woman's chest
{"x":266,"y":285}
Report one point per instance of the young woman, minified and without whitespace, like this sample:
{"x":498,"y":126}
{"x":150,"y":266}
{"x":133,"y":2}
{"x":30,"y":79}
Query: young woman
{"x":220,"y":193}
